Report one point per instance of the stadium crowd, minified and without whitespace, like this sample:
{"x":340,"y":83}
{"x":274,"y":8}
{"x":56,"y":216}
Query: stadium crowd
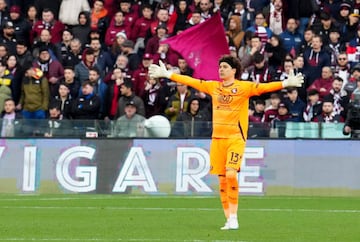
{"x":88,"y":60}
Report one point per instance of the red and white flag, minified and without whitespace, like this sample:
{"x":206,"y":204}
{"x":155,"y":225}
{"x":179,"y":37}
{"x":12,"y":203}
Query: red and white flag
{"x":202,"y":46}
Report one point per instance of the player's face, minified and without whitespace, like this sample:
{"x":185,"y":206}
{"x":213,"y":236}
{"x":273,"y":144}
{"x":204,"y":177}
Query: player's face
{"x":226,"y":71}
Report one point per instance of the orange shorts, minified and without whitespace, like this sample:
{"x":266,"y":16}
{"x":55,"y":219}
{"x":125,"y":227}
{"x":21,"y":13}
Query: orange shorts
{"x":226,"y":153}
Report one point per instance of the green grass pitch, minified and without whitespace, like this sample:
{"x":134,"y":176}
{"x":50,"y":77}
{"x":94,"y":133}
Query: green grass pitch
{"x":176,"y":218}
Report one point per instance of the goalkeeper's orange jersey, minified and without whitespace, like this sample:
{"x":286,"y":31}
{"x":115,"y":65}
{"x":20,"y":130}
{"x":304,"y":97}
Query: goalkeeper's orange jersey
{"x":229,"y":104}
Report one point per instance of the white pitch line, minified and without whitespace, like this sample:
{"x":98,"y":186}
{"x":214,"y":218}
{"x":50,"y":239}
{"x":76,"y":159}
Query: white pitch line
{"x":291,"y":210}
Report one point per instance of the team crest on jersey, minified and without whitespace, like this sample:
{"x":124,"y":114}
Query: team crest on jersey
{"x":234,"y":90}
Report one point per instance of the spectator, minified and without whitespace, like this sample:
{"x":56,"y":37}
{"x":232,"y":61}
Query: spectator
{"x":334,"y":46}
{"x":240,"y":10}
{"x":74,"y":55}
{"x":21,"y":26}
{"x":117,"y":25}
{"x":302,"y":10}
{"x":82,"y":29}
{"x":162,"y":19}
{"x":98,"y":14}
{"x":130,"y":16}
{"x":102,"y":57}
{"x":70,"y":10}
{"x":351,"y":29}
{"x":116,"y":47}
{"x":63,"y":47}
{"x":344,"y":12}
{"x":352,"y":122}
{"x":48,"y":22}
{"x":328,"y":115}
{"x":260,"y":71}
{"x":11,"y":120}
{"x":140,"y":76}
{"x":154,"y":98}
{"x":259,"y":28}
{"x":295,"y":105}
{"x":339,"y":96}
{"x":127,"y":95}
{"x":195,"y":19}
{"x":282,"y":116}
{"x":166,"y":55}
{"x":291,"y":37}
{"x":342,"y":68}
{"x":178,"y":102}
{"x":223,"y":7}
{"x":324,"y":83}
{"x":152,"y":45}
{"x":6,"y":84}
{"x":235,"y":31}
{"x":272,"y":110}
{"x":323,"y":27}
{"x":114,"y":82}
{"x":3,"y":52}
{"x":306,"y":41}
{"x":17,"y":74}
{"x":277,"y":17}
{"x":313,"y":106}
{"x":23,"y":55}
{"x":87,"y":105}
{"x":57,"y":125}
{"x":255,"y":46}
{"x":100,"y":89}
{"x":45,"y":42}
{"x":206,"y":9}
{"x":52,"y":69}
{"x":87,"y":61}
{"x":31,"y":16}
{"x":8,"y":37}
{"x":128,"y":51}
{"x":4,"y":13}
{"x":122,"y":62}
{"x":131,"y":124}
{"x":180,"y":16}
{"x":354,"y":78}
{"x":191,"y":123}
{"x":141,"y":28}
{"x":35,"y":94}
{"x":53,"y":6}
{"x":63,"y":101}
{"x":315,"y":58}
{"x":257,"y":114}
{"x":276,"y":52}
{"x":184,"y":67}
{"x":70,"y":81}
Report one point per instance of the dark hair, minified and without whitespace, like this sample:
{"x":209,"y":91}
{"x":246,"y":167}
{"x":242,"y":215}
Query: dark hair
{"x":258,"y":57}
{"x":233,"y":62}
{"x":96,"y":69}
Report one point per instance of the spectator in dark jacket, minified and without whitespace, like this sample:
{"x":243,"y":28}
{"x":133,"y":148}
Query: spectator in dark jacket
{"x":87,"y":105}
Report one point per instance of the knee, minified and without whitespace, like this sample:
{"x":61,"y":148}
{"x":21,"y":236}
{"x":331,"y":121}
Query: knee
{"x":231,"y":174}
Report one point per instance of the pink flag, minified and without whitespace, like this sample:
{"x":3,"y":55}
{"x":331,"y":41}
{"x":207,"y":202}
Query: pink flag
{"x":202,"y":46}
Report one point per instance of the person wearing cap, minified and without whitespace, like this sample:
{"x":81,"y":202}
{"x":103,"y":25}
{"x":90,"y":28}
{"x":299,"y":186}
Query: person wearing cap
{"x":127,"y":95}
{"x":52,"y":68}
{"x":141,"y":27}
{"x":117,"y":25}
{"x":344,"y":13}
{"x":140,"y":75}
{"x":230,"y":104}
{"x":21,"y":27}
{"x":313,"y":105}
{"x":8,"y":37}
{"x":131,"y":124}
{"x":128,"y":50}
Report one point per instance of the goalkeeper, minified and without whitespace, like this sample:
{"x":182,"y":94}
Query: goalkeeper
{"x":230,"y":104}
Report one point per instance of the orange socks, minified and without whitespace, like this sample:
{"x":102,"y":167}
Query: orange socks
{"x":232,"y":191}
{"x":223,"y":195}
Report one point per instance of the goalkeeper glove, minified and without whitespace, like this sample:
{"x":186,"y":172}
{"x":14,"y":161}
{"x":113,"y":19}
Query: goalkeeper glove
{"x":293,"y":81}
{"x":158,"y":71}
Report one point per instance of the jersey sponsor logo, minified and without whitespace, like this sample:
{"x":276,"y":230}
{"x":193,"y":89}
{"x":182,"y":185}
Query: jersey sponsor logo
{"x":234,"y":90}
{"x":225,"y":99}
